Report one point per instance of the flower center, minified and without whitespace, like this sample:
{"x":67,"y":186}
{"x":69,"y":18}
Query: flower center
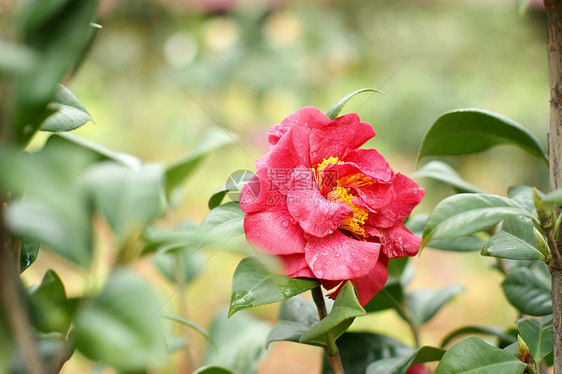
{"x":355,"y":222}
{"x":342,"y":193}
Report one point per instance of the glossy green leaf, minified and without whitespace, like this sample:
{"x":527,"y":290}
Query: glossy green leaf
{"x":335,"y":110}
{"x":464,"y":244}
{"x":232,"y":188}
{"x":178,"y":171}
{"x":529,"y":290}
{"x":296,"y":316}
{"x":212,"y":369}
{"x":505,"y":245}
{"x":391,"y":296}
{"x":476,"y":356}
{"x":499,"y":332}
{"x":69,"y":114}
{"x":345,"y":309}
{"x":59,"y":37}
{"x":359,"y":349}
{"x":465,"y":214}
{"x":28,"y":253}
{"x":253,"y":285}
{"x":50,"y":309}
{"x":98,"y":152}
{"x":226,"y":220}
{"x":240,"y":342}
{"x":423,"y":304}
{"x":467,"y":131}
{"x":442,"y":172}
{"x":121,"y":326}
{"x":191,"y":325}
{"x":523,"y":195}
{"x":537,"y":333}
{"x":401,"y":365}
{"x":128,"y":199}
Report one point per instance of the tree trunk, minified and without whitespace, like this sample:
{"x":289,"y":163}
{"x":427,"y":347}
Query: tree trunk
{"x":554,"y":49}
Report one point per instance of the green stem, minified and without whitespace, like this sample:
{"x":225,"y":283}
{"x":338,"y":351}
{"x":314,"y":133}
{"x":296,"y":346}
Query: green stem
{"x":332,"y":349}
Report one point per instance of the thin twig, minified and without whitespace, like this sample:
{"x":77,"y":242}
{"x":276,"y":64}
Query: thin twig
{"x":332,"y":350}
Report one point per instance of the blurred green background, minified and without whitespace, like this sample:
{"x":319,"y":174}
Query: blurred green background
{"x":163,"y":73}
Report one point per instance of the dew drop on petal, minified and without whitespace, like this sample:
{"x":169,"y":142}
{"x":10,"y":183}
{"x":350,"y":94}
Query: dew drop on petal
{"x":285,"y":224}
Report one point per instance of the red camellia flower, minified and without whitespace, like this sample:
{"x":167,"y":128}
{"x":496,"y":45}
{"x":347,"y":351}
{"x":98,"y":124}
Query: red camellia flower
{"x":329,"y":210}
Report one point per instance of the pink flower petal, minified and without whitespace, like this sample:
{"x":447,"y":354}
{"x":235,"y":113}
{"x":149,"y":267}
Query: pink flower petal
{"x":316,"y":215}
{"x":417,"y":369}
{"x":309,"y":117}
{"x":338,"y":257}
{"x":370,"y":162}
{"x":369,"y":285}
{"x":398,"y":241}
{"x":291,"y":151}
{"x":260,"y":193}
{"x":295,"y":266}
{"x":374,"y":194}
{"x":344,"y":133}
{"x":274,"y":231}
{"x":407,"y":194}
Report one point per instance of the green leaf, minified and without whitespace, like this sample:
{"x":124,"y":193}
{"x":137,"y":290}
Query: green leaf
{"x":121,"y":326}
{"x":465,"y":214}
{"x":296,"y":316}
{"x":69,"y":114}
{"x":442,"y":172}
{"x":226,"y":220}
{"x":16,"y":59}
{"x":191,"y":325}
{"x":128,"y":199}
{"x":498,"y":332}
{"x":391,"y":296}
{"x":554,"y":197}
{"x":401,"y":365}
{"x":179,"y":266}
{"x":529,"y":290}
{"x":345,"y":309}
{"x":476,"y":356}
{"x":50,"y":309}
{"x":232,"y":187}
{"x":537,"y":333}
{"x":467,"y":131}
{"x":97,"y":151}
{"x":28,"y":253}
{"x":54,"y":209}
{"x":523,"y":195}
{"x":59,"y":37}
{"x":240,"y":340}
{"x":464,"y":244}
{"x":212,"y":369}
{"x":506,"y":245}
{"x":253,"y":285}
{"x":178,"y":171}
{"x":185,"y":237}
{"x":359,"y":349}
{"x":335,"y":110}
{"x":423,"y":304}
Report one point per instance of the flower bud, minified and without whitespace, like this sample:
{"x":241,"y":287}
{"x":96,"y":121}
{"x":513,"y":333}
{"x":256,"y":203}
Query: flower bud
{"x":523,"y":350}
{"x":543,"y":215}
{"x":541,"y":242}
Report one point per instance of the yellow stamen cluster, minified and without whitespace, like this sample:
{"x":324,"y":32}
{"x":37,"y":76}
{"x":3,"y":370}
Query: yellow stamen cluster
{"x":358,"y":180}
{"x":355,"y":222}
{"x":319,"y":171}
